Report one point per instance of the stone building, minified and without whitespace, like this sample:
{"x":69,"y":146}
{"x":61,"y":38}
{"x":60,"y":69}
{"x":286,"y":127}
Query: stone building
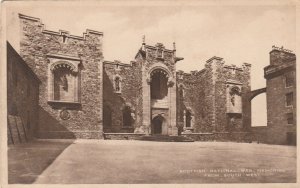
{"x":69,"y":68}
{"x":281,"y":99}
{"x":83,"y":96}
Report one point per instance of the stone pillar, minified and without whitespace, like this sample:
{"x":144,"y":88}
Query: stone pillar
{"x":172,"y":108}
{"x":146,"y":103}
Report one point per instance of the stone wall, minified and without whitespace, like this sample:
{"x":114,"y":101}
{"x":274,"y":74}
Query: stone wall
{"x":22,"y":99}
{"x":129,"y":95}
{"x":82,"y":119}
{"x":206,"y":95}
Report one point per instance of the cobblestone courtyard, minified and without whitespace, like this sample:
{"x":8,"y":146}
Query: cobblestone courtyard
{"x":113,"y":161}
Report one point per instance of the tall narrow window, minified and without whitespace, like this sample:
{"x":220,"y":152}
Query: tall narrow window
{"x":188,"y":119}
{"x":289,"y":99}
{"x":127,"y":119}
{"x":289,"y":80}
{"x":290,"y":118}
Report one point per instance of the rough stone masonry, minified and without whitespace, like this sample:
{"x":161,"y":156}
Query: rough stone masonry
{"x":81,"y":95}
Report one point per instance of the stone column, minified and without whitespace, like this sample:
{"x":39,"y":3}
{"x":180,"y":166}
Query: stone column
{"x":146,"y":103}
{"x":172,"y":107}
{"x":184,"y":120}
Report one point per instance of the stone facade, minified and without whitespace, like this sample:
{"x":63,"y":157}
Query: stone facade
{"x":208,"y":95}
{"x":83,"y":96}
{"x":72,"y":106}
{"x":281,"y":98}
{"x":22,"y":99}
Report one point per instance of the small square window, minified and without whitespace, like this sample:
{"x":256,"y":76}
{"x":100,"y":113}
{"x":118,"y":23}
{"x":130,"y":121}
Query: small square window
{"x":290,"y":118}
{"x":289,"y":99}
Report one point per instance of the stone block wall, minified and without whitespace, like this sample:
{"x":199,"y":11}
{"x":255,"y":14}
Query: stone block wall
{"x":79,"y":120}
{"x":129,"y":95}
{"x":206,"y":94}
{"x":22,"y":99}
{"x":229,"y":76}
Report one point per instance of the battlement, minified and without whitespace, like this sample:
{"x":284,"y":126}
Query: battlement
{"x":62,"y":33}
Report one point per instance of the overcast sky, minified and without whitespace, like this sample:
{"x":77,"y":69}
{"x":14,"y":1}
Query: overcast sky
{"x":236,"y":33}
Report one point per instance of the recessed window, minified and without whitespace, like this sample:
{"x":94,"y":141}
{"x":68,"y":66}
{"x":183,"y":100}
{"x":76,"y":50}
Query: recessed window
{"x":289,"y":80}
{"x":188,"y":119}
{"x":64,"y":84}
{"x":289,"y":99}
{"x":290,"y":118}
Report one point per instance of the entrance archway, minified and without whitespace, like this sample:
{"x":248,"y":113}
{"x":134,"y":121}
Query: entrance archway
{"x":157,"y":125}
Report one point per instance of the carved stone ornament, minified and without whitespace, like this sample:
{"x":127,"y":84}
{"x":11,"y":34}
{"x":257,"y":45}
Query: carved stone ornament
{"x":64,"y":114}
{"x":171,"y":82}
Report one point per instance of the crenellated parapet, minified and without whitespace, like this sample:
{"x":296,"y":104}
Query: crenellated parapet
{"x":62,"y":33}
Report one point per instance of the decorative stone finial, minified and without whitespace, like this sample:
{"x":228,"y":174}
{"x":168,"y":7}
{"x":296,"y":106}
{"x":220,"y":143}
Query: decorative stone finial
{"x":144,"y":42}
{"x":174,"y":46}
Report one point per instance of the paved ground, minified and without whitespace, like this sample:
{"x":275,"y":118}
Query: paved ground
{"x":112,"y":161}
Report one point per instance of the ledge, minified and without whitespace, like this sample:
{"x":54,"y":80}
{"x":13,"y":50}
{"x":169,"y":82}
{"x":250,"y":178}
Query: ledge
{"x":66,"y":104}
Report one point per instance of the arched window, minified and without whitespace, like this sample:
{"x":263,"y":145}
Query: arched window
{"x":188,"y":119}
{"x":107,"y":116}
{"x":64,"y":80}
{"x":159,"y":84}
{"x":64,"y":84}
{"x":127,"y":119}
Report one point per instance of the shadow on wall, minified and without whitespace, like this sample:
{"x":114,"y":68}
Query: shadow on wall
{"x":27,"y":161}
{"x":50,"y":127}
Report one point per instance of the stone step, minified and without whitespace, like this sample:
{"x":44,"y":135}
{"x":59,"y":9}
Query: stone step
{"x":166,"y":138}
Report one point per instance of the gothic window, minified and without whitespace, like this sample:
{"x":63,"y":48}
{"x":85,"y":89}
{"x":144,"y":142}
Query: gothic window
{"x":127,"y":119}
{"x":107,"y":116}
{"x":290,"y":118}
{"x":289,"y":99}
{"x":188,"y":119}
{"x":159,"y":84}
{"x":289,"y":80}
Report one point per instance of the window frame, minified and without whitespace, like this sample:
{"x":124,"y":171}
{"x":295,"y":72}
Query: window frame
{"x":292,"y":99}
{"x":73,"y":63}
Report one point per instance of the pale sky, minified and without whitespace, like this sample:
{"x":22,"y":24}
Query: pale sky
{"x":236,"y":33}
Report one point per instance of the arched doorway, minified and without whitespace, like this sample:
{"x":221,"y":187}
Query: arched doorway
{"x":157,"y":125}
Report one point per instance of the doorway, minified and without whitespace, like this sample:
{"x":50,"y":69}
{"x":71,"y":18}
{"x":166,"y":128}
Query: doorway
{"x":157,"y":124}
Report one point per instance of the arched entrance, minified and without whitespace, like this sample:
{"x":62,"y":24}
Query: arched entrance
{"x":157,"y":125}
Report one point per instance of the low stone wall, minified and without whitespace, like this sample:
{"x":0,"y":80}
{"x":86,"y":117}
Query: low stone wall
{"x":122,"y":136}
{"x":220,"y":136}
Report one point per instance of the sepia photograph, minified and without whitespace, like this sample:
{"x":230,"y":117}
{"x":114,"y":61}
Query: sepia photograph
{"x":149,"y":92}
